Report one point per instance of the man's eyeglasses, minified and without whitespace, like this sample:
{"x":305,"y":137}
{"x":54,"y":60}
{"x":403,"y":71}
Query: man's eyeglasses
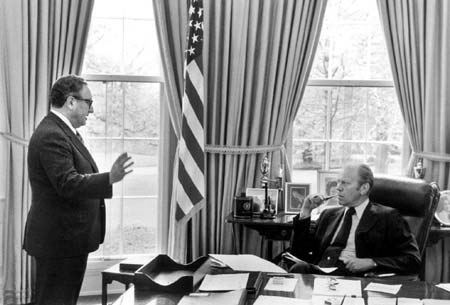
{"x":87,"y":100}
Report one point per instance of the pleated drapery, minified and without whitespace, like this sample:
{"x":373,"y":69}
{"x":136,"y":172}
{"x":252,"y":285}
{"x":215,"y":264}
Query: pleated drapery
{"x":418,"y":42}
{"x":257,"y":58}
{"x":42,"y":40}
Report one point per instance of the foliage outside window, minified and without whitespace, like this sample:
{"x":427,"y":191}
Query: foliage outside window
{"x":349,"y":111}
{"x":122,"y":66}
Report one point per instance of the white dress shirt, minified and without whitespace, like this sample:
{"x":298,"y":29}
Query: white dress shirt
{"x":64,"y":119}
{"x":350,"y":251}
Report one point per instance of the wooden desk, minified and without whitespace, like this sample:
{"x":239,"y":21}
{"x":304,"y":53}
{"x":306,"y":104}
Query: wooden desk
{"x":303,"y":290}
{"x":280,"y":229}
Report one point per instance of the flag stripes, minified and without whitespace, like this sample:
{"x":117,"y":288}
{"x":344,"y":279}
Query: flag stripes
{"x":190,"y":183}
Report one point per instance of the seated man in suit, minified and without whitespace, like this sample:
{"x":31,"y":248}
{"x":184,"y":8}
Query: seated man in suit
{"x":358,"y":236}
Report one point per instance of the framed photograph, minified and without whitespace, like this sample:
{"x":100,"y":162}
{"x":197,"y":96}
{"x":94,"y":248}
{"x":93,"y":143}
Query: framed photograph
{"x":442,"y":213}
{"x":295,"y":195}
{"x":328,"y":182}
{"x":306,"y":177}
{"x":258,"y":195}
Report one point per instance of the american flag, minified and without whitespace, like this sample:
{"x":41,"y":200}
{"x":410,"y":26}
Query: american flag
{"x":190,"y":189}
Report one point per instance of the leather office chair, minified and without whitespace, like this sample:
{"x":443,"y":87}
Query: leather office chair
{"x":415,"y":199}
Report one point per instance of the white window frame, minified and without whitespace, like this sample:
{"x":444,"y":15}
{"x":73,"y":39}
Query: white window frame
{"x":92,"y":282}
{"x":327,"y":140}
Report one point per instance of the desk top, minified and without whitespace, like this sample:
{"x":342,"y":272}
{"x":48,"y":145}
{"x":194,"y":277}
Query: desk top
{"x":281,"y":220}
{"x":303,"y":290}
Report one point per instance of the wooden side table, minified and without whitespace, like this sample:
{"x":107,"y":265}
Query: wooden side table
{"x":125,"y":277}
{"x":114,"y":274}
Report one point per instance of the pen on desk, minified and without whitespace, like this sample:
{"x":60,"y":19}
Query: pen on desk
{"x":385,"y":274}
{"x":378,"y":275}
{"x":270,"y":274}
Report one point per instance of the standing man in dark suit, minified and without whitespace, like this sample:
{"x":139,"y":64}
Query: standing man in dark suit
{"x":357,"y":237}
{"x":66,"y":220}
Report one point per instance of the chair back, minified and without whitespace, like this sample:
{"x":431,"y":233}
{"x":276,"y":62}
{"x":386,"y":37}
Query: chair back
{"x":415,"y":199}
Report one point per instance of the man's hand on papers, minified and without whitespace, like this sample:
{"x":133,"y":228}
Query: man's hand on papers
{"x":359,"y":264}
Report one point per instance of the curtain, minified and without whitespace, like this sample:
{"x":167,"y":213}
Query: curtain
{"x":171,"y":20}
{"x":40,"y":41}
{"x":418,"y":41}
{"x":258,"y":61}
{"x":257,"y":58}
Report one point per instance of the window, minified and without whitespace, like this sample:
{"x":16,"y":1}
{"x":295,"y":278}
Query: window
{"x":349,"y":111}
{"x":122,"y":66}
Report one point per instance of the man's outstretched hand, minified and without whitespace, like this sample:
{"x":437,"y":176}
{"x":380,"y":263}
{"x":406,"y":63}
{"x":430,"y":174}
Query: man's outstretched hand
{"x":120,"y":168}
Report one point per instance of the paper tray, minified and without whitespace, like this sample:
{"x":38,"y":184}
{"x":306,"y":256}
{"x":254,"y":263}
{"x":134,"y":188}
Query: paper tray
{"x":164,"y":274}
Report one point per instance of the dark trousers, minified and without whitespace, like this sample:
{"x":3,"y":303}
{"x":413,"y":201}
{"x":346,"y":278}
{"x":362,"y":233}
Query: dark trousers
{"x":58,"y":280}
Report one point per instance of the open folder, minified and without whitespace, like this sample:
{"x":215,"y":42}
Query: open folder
{"x":292,"y":258}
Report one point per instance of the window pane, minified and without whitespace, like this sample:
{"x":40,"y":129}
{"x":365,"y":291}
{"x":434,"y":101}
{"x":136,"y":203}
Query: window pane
{"x":342,"y":153}
{"x":351,"y":44}
{"x":384,"y":120}
{"x":131,"y":226}
{"x":115,"y":43}
{"x":311,"y":119}
{"x":140,"y":226}
{"x":382,"y":158}
{"x":308,"y":155}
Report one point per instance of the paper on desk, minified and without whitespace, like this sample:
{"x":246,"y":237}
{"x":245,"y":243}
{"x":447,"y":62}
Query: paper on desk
{"x":343,"y":287}
{"x":391,"y":289}
{"x":330,"y":300}
{"x":248,"y":262}
{"x":409,"y":301}
{"x":217,"y":298}
{"x":274,"y":300}
{"x":353,"y":301}
{"x":445,"y":286}
{"x":281,"y":284}
{"x":381,"y":301}
{"x":224,"y":282}
{"x":435,"y":302}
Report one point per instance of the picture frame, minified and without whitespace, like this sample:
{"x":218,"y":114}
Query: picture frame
{"x":295,"y":194}
{"x":258,"y":195}
{"x":307,"y":176}
{"x":327,"y":182}
{"x":442,"y":213}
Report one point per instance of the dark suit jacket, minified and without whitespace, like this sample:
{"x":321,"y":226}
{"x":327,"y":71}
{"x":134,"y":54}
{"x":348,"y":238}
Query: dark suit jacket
{"x":382,"y":234}
{"x":67,"y":214}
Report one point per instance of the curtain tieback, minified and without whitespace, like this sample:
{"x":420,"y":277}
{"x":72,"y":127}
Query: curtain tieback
{"x":14,"y":139}
{"x":241,"y":150}
{"x":431,"y":156}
